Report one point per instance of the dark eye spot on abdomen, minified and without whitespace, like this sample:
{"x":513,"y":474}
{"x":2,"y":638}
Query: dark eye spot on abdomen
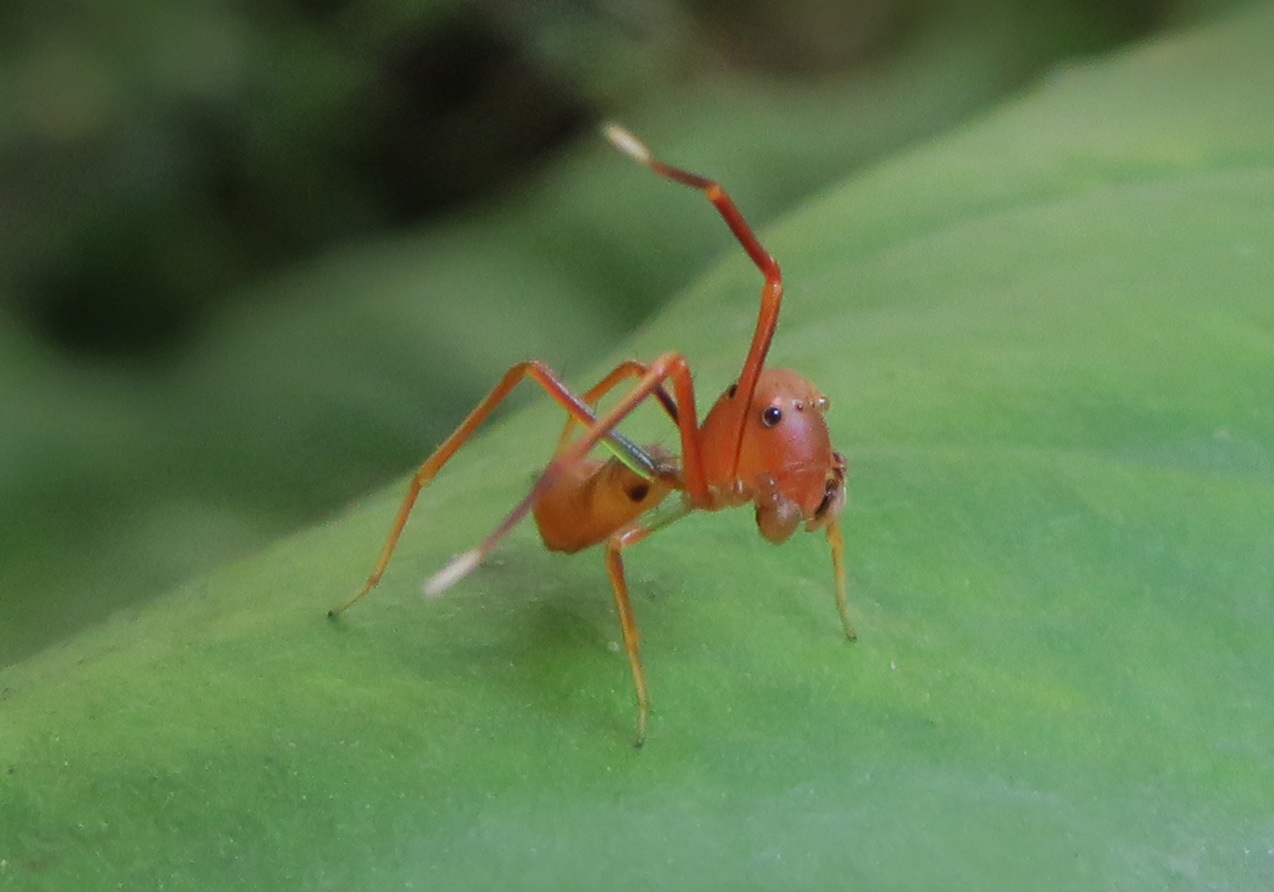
{"x":638,"y":492}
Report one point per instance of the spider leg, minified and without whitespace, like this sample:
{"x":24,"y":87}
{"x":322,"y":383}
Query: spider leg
{"x":628,"y":623}
{"x":668,"y":367}
{"x":578,"y":408}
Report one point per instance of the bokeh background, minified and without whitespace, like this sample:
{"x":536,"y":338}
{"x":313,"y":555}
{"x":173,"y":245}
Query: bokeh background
{"x":257,"y":258}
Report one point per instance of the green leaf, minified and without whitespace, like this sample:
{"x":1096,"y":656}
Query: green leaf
{"x":118,"y":482}
{"x":1049,"y":345}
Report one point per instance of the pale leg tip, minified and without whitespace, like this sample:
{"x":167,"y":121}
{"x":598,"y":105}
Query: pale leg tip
{"x":630,"y":145}
{"x":458,"y":568}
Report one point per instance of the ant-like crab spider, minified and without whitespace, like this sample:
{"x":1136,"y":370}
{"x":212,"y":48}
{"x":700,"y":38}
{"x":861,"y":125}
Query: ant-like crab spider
{"x":764,"y":442}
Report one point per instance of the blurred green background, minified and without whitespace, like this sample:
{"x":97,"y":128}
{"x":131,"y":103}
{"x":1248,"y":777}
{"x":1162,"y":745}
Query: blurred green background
{"x":256,"y":259}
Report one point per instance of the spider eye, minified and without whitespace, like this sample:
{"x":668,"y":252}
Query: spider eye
{"x":771,"y":415}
